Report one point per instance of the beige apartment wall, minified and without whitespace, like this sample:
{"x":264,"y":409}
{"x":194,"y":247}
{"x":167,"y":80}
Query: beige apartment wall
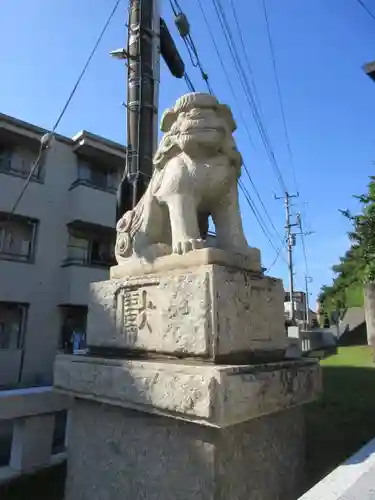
{"x":40,"y":284}
{"x":91,"y":205}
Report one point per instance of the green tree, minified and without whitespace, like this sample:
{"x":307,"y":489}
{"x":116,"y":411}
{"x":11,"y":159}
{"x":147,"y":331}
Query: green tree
{"x":357,"y":266}
{"x":363,"y":234}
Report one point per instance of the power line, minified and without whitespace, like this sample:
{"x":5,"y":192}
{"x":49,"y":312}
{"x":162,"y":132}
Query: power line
{"x":185,"y":34}
{"x":364,"y":6}
{"x":256,"y":213}
{"x":229,"y":81}
{"x":44,"y":144}
{"x":247,"y":90}
{"x":46,"y":140}
{"x":247,"y":57}
{"x":183,"y":27}
{"x":189,"y":83}
{"x":262,"y":203}
{"x":227,"y":76}
{"x":259,"y":219}
{"x":303,"y":245}
{"x":104,"y":29}
{"x":282,"y":109}
{"x":275,"y":260}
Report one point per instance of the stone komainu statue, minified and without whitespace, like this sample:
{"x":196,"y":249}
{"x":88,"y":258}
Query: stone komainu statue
{"x":196,"y":168}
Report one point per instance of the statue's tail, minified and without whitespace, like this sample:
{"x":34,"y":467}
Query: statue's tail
{"x":131,"y":222}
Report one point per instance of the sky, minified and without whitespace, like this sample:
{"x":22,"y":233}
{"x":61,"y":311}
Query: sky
{"x":320,"y":47}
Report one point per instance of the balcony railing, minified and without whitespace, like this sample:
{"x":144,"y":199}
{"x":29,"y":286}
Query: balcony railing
{"x":81,"y":256}
{"x":109,"y":188}
{"x":32,"y":412}
{"x":20,"y":169}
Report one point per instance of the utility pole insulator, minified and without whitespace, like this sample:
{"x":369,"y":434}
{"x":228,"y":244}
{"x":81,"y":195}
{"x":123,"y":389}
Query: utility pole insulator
{"x":182,"y":25}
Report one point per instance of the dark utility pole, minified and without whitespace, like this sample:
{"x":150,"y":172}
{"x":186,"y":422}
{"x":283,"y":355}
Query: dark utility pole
{"x":143,"y":35}
{"x":148,"y":36}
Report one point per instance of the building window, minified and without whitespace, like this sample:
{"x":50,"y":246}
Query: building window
{"x":90,"y":250}
{"x":97,"y":176}
{"x":73,"y":328}
{"x":18,"y":162}
{"x":12,"y":325}
{"x":17,"y":238}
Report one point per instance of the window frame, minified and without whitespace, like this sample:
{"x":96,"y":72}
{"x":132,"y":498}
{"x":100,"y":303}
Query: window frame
{"x":90,"y":166}
{"x":71,"y":314}
{"x":11,"y":152}
{"x":9,"y":256}
{"x":88,"y":261}
{"x":24,"y":307}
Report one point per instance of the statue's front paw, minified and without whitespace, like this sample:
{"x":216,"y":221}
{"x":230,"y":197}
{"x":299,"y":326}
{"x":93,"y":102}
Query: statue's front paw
{"x":182,"y":247}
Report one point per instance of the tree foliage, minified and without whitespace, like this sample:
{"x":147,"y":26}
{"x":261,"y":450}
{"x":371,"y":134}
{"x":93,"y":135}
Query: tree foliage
{"x":357,"y":266}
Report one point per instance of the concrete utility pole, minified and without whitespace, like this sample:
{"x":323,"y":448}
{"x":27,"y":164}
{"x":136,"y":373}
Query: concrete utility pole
{"x":291,"y":241}
{"x":148,"y":36}
{"x":308,"y":280}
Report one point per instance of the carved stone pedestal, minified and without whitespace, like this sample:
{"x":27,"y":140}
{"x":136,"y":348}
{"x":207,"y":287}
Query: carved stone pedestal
{"x":186,"y":393}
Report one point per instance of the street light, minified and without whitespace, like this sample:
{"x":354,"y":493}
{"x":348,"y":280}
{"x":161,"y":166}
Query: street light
{"x":119,"y":54}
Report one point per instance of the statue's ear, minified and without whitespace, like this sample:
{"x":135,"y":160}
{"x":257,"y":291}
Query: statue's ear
{"x":167,"y":120}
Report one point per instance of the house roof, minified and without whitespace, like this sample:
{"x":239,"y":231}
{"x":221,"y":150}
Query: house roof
{"x":11,"y":125}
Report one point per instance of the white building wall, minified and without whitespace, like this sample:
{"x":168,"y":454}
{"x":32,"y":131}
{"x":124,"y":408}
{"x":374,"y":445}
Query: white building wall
{"x":41,"y":283}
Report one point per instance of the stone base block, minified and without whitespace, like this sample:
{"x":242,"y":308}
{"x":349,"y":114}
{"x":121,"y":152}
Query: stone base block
{"x":193,"y":259}
{"x":118,"y":454}
{"x":208,"y":394}
{"x":209,"y":311}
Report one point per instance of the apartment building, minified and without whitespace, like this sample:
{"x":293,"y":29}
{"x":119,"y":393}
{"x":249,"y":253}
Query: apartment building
{"x":60,"y":238}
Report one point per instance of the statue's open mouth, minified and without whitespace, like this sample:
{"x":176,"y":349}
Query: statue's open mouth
{"x":199,"y":129}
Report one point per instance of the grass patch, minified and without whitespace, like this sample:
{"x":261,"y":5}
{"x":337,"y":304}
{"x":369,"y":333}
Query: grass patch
{"x":355,"y":357}
{"x":342,"y":420}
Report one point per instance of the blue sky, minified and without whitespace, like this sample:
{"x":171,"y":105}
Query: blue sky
{"x":329,"y":102}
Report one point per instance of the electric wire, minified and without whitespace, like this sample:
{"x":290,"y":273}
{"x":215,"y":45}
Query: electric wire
{"x":279,"y":94}
{"x":364,"y":6}
{"x":247,"y":57}
{"x":227,"y":76}
{"x":303,"y":246}
{"x":283,"y":115}
{"x":259,"y":219}
{"x":247,"y":196}
{"x":247,"y":90}
{"x":189,"y":83}
{"x":262,"y":204}
{"x":44,"y":147}
{"x":191,"y":47}
{"x":255,"y":213}
{"x":33,"y":169}
{"x":229,"y":81}
{"x":275,"y":260}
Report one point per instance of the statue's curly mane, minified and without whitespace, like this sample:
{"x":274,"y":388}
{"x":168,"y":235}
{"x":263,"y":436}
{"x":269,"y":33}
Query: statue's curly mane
{"x":169,"y":145}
